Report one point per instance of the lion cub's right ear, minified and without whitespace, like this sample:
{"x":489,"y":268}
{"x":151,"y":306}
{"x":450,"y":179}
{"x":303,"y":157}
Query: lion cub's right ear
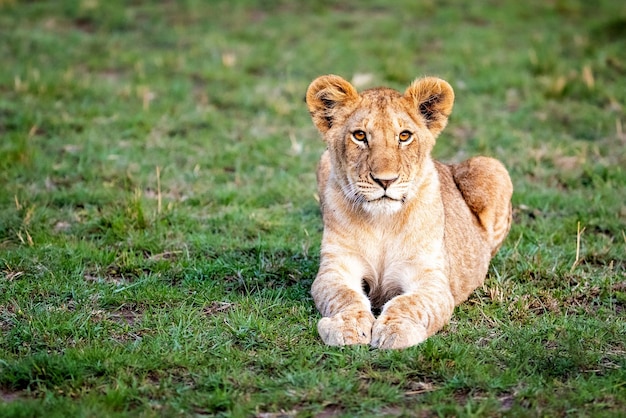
{"x":325,"y":95}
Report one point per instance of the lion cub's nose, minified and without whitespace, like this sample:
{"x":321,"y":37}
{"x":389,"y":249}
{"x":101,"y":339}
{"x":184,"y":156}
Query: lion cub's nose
{"x":384,"y":181}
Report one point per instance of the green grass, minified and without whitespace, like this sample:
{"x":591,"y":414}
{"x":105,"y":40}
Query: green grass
{"x":159,"y":230}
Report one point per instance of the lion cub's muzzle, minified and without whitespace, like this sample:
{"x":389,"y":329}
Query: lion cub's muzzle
{"x":389,"y":188}
{"x":384,"y":187}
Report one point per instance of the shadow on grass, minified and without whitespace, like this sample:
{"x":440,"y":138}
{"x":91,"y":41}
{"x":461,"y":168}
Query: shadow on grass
{"x":49,"y":371}
{"x":249,"y":271}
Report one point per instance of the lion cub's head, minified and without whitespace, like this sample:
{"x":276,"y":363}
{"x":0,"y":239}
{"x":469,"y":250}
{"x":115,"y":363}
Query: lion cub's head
{"x":379,"y":139}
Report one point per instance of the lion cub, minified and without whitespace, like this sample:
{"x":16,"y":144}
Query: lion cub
{"x":403,"y":233}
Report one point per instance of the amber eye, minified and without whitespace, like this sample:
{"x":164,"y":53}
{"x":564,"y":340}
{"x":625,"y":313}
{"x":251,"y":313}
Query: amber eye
{"x":405,"y":136}
{"x":359,"y":136}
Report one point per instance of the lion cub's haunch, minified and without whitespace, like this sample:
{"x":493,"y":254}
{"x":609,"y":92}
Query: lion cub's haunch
{"x":402,"y":233}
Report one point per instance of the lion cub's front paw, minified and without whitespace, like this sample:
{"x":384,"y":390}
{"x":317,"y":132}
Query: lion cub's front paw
{"x":397,"y":332}
{"x":346,"y":328}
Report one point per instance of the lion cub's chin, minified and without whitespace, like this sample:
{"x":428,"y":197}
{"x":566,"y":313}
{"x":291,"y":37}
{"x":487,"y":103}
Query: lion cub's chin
{"x":383,"y":206}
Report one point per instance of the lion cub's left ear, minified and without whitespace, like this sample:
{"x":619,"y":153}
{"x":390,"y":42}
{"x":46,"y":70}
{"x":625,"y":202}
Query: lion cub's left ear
{"x":325,"y":97}
{"x":433,"y":98}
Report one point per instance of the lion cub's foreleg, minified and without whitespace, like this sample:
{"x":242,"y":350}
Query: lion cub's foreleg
{"x":338,"y":295}
{"x":412,"y":317}
{"x":406,"y":320}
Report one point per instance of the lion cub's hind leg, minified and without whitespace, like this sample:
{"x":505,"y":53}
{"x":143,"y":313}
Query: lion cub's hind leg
{"x":486,"y":187}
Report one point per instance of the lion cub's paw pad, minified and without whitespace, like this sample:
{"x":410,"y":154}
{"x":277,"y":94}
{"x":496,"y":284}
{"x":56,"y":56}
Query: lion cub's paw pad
{"x":397,"y":333}
{"x":346,"y":329}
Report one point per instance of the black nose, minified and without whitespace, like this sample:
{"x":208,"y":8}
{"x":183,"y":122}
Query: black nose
{"x":384,"y":183}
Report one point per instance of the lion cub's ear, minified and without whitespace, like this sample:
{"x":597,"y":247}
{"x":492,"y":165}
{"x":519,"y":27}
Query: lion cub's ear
{"x":433,"y":98}
{"x":325,"y":95}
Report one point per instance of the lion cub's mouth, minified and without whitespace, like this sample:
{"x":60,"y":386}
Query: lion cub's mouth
{"x":375,"y":198}
{"x":383,"y":205}
{"x":387,"y":198}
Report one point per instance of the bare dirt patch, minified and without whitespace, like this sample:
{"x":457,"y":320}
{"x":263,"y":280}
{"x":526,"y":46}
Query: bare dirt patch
{"x":126,"y":315}
{"x":217,"y":307}
{"x":8,"y":396}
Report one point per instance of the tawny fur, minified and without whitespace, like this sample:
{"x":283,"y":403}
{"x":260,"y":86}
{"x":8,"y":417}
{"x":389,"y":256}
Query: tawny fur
{"x":403,"y":233}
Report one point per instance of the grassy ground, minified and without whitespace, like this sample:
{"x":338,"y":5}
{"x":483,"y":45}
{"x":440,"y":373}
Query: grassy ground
{"x":159,"y":231}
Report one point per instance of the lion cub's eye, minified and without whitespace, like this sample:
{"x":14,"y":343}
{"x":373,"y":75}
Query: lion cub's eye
{"x":405,"y":136}
{"x":359,"y":136}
